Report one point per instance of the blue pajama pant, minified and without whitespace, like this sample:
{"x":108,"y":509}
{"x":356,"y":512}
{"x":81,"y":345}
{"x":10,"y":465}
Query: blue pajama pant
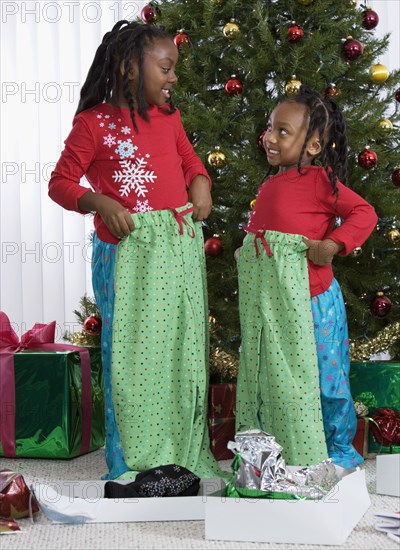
{"x":331,"y":335}
{"x":103,"y":264}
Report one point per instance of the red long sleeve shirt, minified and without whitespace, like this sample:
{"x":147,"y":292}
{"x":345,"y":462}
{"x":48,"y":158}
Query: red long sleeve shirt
{"x":146,"y":170}
{"x":305,"y":205}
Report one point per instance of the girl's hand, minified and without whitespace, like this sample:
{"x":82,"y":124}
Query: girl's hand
{"x":116,"y":217}
{"x":322,"y":252}
{"x":199,"y":195}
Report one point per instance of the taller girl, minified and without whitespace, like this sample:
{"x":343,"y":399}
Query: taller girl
{"x":149,"y":192}
{"x":295,"y":350}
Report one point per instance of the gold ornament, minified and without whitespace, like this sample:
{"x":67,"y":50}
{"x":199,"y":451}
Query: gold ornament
{"x":231,"y":29}
{"x":379,"y":73}
{"x":292,"y":86}
{"x":253,"y":202}
{"x":357,"y":251}
{"x":224,"y":364}
{"x":212,"y":322}
{"x":361,"y":350}
{"x":353,"y":3}
{"x":393,"y":235}
{"x":217,"y":158}
{"x":305,"y":2}
{"x":385,"y":126}
{"x":217,"y":2}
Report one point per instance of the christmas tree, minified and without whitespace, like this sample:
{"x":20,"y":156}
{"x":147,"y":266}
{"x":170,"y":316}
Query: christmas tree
{"x":89,"y":320}
{"x":236,"y":59}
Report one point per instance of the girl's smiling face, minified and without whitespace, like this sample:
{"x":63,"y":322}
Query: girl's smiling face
{"x":285,"y":134}
{"x":159,"y":64}
{"x":158,"y":78}
{"x":159,"y":71}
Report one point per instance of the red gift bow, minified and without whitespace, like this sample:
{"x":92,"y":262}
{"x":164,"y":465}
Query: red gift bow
{"x":40,"y":337}
{"x":387,"y":431}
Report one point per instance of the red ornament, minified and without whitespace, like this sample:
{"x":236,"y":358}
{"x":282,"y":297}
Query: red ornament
{"x":295,"y":33}
{"x":387,"y":430}
{"x":14,"y":496}
{"x":149,"y":14}
{"x":397,"y":95}
{"x":380,"y":305}
{"x":181,"y":38}
{"x":260,"y":141}
{"x":370,"y":19}
{"x":92,"y":325}
{"x":233,"y":86}
{"x":396,"y":177}
{"x":213,"y":247}
{"x":330,"y":90}
{"x":352,"y":49}
{"x":367,"y":159}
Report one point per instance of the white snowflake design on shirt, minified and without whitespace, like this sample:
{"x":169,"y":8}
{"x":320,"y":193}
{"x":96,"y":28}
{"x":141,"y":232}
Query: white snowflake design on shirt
{"x":142,"y":206}
{"x":109,"y":140}
{"x":134,"y":177}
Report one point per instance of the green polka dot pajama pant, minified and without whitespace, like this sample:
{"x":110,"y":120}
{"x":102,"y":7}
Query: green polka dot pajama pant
{"x":278,"y":383}
{"x":160,"y":344}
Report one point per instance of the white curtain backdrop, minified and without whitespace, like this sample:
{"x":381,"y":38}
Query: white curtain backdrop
{"x":46,"y":51}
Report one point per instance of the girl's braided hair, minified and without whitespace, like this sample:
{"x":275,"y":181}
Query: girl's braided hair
{"x":326,"y":118}
{"x":125,"y":42}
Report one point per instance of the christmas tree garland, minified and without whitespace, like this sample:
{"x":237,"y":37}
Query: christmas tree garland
{"x":223,"y":364}
{"x":361,"y":350}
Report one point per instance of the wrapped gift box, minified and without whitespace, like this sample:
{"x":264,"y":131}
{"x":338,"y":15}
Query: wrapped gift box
{"x":48,"y":404}
{"x":328,"y":521}
{"x":376,"y":384}
{"x":83,"y":502}
{"x":388,"y":475}
{"x":221,"y":419}
{"x":360,"y":441}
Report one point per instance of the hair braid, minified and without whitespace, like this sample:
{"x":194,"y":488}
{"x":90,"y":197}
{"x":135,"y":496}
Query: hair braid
{"x":95,"y":87}
{"x":339,"y":145}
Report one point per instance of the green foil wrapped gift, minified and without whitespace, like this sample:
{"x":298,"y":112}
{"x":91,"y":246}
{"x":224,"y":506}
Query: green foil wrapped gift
{"x":376,"y":384}
{"x":54,"y":406}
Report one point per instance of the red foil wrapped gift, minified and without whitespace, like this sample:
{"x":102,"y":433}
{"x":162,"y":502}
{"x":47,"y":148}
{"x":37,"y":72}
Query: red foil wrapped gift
{"x":16,"y":500}
{"x":221,"y":419}
{"x":387,"y":428}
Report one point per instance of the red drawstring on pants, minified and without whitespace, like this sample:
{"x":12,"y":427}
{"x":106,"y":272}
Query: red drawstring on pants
{"x":180,"y":218}
{"x":259,"y":234}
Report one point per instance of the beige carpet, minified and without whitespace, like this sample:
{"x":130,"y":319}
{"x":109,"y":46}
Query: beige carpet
{"x":180,"y":535}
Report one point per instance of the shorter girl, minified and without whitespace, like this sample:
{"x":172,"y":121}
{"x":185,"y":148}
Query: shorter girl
{"x":295,"y":352}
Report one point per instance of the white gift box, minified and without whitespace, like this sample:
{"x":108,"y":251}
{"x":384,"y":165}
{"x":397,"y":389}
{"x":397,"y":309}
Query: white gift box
{"x":83,"y":502}
{"x":388,"y":475}
{"x":326,"y":521}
